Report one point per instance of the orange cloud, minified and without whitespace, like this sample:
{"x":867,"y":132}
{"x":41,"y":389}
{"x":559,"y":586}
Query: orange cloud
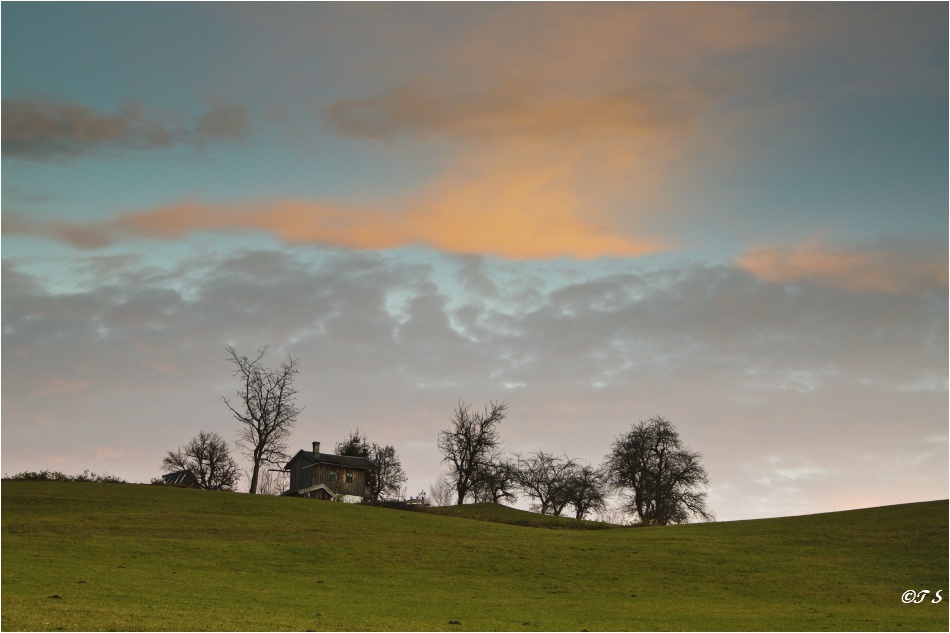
{"x":585,"y":43}
{"x":472,"y":221}
{"x":569,"y":129}
{"x":892,"y":268}
{"x":524,"y":199}
{"x":518,"y":107}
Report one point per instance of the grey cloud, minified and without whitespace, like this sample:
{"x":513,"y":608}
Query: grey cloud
{"x":473,"y":276}
{"x":224,"y":122}
{"x":43,"y":130}
{"x":90,"y":235}
{"x":750,"y":371}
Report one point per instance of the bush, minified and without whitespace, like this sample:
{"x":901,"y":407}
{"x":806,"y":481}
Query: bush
{"x":55,"y":475}
{"x":401,"y":505}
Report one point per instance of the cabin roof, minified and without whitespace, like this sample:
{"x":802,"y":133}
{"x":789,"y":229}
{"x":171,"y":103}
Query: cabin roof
{"x":336,"y":460}
{"x":178,"y":478}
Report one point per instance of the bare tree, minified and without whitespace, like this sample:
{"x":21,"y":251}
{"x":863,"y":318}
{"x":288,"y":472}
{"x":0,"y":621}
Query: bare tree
{"x":208,"y":459}
{"x":272,"y":481}
{"x":612,"y":514}
{"x":387,"y":481}
{"x":495,"y":483}
{"x":659,"y":475}
{"x":266,"y":409}
{"x":471,"y":444}
{"x":544,"y":477}
{"x":440,"y":492}
{"x":585,"y":490}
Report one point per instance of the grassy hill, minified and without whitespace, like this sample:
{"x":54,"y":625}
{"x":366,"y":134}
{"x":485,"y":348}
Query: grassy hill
{"x":496,"y":513}
{"x":81,"y":556}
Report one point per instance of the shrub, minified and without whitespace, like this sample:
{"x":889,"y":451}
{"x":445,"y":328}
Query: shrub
{"x":55,"y":475}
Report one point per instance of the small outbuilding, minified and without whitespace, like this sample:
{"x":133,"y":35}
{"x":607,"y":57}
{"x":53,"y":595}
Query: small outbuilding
{"x":329,"y":477}
{"x":181,"y":479}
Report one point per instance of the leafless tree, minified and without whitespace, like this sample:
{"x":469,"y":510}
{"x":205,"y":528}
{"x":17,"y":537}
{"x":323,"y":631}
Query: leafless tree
{"x":267,"y":409}
{"x":612,"y":514}
{"x":440,"y":492}
{"x":660,"y":477}
{"x":208,"y":460}
{"x":495,"y":483}
{"x":388,"y":480}
{"x":585,"y":490}
{"x":544,"y":477}
{"x":272,"y":481}
{"x":470,"y":445}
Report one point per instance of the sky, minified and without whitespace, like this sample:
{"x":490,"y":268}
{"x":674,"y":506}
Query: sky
{"x":734,"y":216}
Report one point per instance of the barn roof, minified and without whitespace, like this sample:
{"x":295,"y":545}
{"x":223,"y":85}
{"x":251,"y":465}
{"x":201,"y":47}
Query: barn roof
{"x":336,"y":460}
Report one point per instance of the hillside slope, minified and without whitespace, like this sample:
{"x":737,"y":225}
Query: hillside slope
{"x":98,"y":556}
{"x":496,"y":513}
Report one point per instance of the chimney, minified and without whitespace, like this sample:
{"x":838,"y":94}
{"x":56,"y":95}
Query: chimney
{"x":316,"y":449}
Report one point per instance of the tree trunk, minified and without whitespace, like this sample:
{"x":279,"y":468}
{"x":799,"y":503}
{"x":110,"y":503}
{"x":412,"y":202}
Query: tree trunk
{"x":254,"y":475}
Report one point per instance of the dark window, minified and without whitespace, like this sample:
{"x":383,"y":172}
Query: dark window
{"x":332,"y":475}
{"x":349,"y":478}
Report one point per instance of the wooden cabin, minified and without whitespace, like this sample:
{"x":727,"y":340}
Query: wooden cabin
{"x":325,"y":476}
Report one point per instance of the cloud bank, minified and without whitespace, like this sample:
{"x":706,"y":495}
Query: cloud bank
{"x":799,"y":396}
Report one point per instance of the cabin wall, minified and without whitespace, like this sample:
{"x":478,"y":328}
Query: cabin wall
{"x":304,"y":475}
{"x":300,"y":477}
{"x":319,"y":493}
{"x":324,"y":474}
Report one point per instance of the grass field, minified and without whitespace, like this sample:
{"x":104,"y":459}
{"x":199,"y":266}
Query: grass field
{"x":81,"y":556}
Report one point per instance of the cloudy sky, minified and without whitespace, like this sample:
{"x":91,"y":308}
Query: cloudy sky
{"x":731,"y":215}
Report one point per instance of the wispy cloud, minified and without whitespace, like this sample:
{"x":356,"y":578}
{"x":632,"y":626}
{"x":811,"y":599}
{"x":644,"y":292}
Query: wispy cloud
{"x":423,"y":108}
{"x":891,"y":266}
{"x":40,"y":130}
{"x":61,"y":386}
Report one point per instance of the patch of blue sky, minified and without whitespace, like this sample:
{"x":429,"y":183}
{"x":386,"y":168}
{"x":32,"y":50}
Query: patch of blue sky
{"x":178,"y":265}
{"x":817,"y":179}
{"x":103,"y":55}
{"x":231,"y":172}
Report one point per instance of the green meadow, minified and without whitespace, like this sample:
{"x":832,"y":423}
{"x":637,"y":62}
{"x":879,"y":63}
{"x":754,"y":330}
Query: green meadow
{"x":84,"y":556}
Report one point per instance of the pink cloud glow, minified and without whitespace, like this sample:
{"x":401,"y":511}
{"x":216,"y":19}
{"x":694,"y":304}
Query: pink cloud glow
{"x":888,"y":268}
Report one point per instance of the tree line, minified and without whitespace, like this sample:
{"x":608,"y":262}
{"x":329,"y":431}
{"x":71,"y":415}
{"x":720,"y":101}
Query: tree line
{"x":659,"y":480}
